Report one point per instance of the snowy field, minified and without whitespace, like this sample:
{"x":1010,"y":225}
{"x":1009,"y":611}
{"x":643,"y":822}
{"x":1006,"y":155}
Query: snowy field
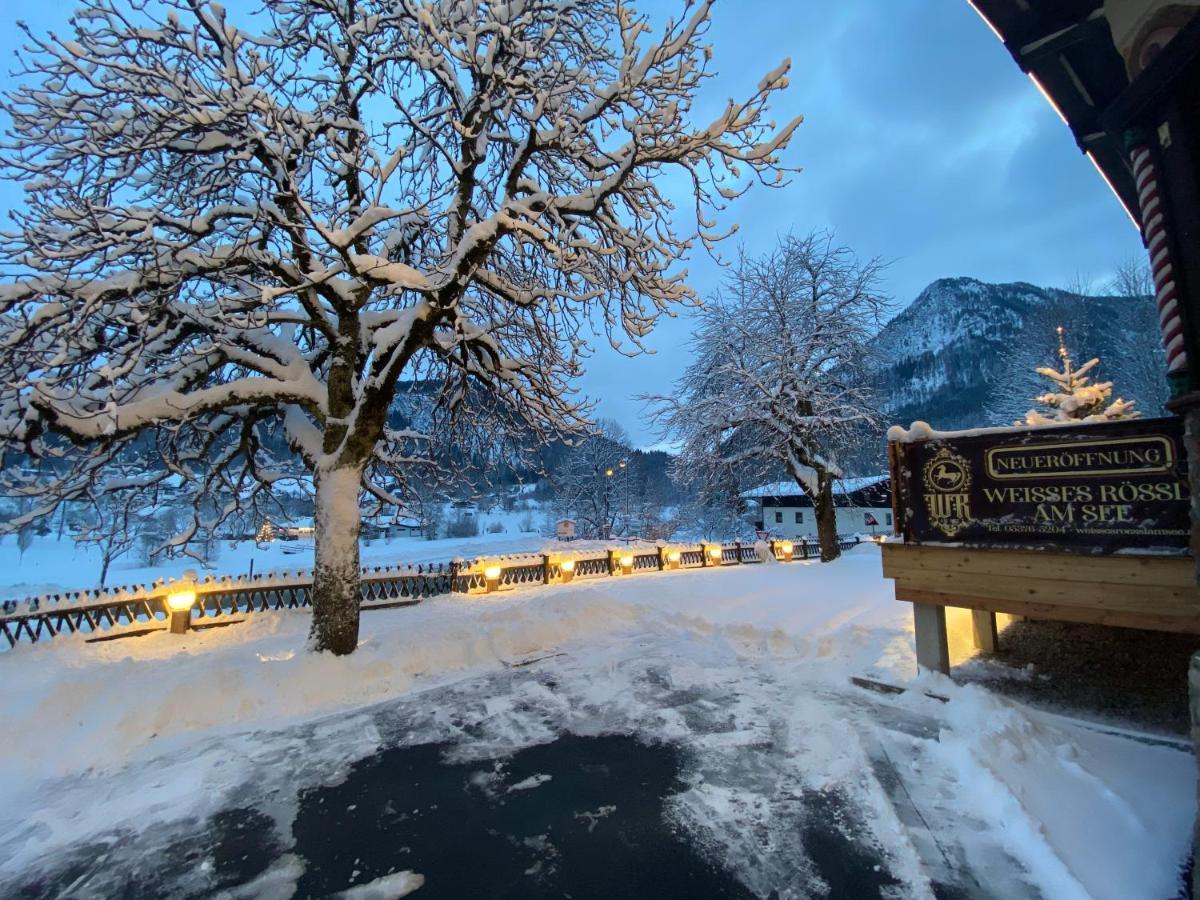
{"x":51,"y":566}
{"x":127,"y":743}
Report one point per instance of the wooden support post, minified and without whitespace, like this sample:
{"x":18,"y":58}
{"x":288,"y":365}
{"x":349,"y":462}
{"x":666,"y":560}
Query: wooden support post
{"x":545,"y":568}
{"x":737,"y":551}
{"x":662,"y":558}
{"x":933,"y":646}
{"x":612,"y":563}
{"x":983,"y":631}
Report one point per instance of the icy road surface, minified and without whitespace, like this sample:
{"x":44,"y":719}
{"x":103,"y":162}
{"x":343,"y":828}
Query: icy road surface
{"x":703,"y":721}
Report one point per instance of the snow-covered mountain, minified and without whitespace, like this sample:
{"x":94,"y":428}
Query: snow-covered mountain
{"x":964,"y":353}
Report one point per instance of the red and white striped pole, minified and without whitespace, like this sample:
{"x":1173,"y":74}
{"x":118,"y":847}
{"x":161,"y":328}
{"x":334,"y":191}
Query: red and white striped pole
{"x":1154,"y":233}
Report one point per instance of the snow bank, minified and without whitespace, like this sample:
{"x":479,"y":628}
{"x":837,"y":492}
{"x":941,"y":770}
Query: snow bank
{"x":1088,"y":813}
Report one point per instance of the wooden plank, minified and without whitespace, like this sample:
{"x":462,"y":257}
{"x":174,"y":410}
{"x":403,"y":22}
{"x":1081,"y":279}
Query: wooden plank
{"x":1172,"y":571}
{"x":1134,"y":598}
{"x":1185,"y":624}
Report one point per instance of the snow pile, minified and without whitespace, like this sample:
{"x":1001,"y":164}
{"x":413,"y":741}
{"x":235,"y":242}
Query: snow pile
{"x":745,"y":669}
{"x":1088,"y":813}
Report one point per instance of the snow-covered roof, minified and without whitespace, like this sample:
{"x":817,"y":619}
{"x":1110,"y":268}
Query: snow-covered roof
{"x":791,"y":489}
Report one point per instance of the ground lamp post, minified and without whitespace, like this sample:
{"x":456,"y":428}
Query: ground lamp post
{"x":626,"y":561}
{"x":713,"y":554}
{"x":673,"y":559}
{"x":179,"y":608}
{"x":786,"y":550}
{"x":491,"y":579}
{"x":566,"y":569}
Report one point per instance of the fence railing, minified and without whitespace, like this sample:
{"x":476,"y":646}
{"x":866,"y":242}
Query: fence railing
{"x":145,"y":607}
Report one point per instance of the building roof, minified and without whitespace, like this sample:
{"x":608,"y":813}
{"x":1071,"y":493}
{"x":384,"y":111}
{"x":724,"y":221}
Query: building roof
{"x":841,"y":487}
{"x":1067,"y":49}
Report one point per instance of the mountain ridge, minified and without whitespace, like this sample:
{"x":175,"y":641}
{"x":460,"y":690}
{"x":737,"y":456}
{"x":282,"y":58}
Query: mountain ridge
{"x":964,"y":352}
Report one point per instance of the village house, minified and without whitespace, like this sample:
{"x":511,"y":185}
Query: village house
{"x":864,"y":506}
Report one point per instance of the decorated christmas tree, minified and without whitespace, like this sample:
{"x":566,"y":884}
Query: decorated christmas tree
{"x":1074,"y":398}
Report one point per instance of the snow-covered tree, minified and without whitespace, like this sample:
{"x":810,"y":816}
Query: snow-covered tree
{"x":240,"y":237}
{"x":1074,"y":396}
{"x":592,"y":482}
{"x":1141,"y":367}
{"x":779,"y":381}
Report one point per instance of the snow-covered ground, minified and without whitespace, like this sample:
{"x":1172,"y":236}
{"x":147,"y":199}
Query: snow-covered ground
{"x":745,"y":668}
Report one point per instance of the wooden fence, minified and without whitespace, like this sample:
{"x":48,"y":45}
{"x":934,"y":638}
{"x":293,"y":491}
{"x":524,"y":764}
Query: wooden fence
{"x":140,"y":608}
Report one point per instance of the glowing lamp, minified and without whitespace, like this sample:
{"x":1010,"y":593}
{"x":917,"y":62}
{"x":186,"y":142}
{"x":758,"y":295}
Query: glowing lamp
{"x":566,"y":569}
{"x":491,"y":577}
{"x":179,"y":606}
{"x":674,"y":558}
{"x":181,"y":601}
{"x":787,"y":550}
{"x":626,"y":561}
{"x":714,"y":555}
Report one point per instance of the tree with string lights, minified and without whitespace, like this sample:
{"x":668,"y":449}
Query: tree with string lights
{"x":1075,"y":397}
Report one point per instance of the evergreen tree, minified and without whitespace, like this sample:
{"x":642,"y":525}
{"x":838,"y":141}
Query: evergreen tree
{"x":1074,"y":398}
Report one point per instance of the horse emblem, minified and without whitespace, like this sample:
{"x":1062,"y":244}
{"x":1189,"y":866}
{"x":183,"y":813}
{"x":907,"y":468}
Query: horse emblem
{"x":947,"y":478}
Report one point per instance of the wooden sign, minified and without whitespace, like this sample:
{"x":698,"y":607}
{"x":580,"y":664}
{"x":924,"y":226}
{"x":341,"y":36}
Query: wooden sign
{"x":1097,"y":488}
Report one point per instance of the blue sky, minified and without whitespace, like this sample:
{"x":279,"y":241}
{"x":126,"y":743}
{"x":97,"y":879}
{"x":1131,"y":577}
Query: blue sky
{"x":922,"y":143}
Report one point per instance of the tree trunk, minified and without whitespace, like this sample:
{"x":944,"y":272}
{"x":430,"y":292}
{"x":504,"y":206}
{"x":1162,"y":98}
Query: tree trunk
{"x":826,"y":517}
{"x":335,"y":587}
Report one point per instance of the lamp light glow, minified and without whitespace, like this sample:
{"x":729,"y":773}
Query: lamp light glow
{"x":492,"y":573}
{"x":567,"y":565}
{"x":181,"y":601}
{"x":179,"y":607}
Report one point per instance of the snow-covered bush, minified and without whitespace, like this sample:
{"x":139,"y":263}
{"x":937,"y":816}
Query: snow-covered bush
{"x":462,"y":526}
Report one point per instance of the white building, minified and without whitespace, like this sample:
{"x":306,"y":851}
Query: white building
{"x":864,"y":506}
